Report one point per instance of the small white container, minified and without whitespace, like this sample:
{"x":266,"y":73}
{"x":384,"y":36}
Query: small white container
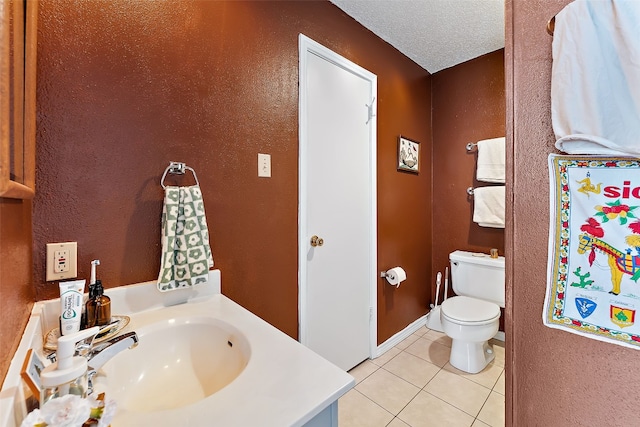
{"x":59,"y":382}
{"x":69,"y":374}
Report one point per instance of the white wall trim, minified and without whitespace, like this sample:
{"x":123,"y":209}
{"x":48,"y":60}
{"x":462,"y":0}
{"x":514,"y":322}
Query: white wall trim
{"x":398,"y":337}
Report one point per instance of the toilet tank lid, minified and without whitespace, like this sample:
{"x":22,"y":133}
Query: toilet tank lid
{"x":477,"y":258}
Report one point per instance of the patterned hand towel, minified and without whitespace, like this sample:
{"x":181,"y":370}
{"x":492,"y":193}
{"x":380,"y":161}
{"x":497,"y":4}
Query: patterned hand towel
{"x":186,"y":254}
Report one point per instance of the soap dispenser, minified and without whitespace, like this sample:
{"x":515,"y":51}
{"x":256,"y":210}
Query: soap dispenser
{"x":68,"y":375}
{"x":98,"y":307}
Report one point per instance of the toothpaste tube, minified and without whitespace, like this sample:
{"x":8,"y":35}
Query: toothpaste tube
{"x":71,"y":294}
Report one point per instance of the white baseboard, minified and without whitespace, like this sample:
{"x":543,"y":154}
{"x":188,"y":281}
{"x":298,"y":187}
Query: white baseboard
{"x":410,"y":329}
{"x":398,"y":337}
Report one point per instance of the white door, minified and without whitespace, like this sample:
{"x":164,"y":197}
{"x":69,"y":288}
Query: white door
{"x":338,"y":205}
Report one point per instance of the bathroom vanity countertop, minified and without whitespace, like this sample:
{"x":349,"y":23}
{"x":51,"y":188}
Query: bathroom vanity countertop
{"x":283,"y":384}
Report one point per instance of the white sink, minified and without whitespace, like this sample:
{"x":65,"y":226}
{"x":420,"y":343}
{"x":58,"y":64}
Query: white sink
{"x":177,"y":362}
{"x":184,"y":372}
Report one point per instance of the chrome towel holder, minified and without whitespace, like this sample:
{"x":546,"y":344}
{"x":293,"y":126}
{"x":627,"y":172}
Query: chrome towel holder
{"x":177,"y":168}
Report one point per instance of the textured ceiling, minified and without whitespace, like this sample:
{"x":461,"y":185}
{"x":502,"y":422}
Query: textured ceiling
{"x":436,"y":34}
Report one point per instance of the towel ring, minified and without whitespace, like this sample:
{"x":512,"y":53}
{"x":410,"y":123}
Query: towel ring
{"x":177,"y":168}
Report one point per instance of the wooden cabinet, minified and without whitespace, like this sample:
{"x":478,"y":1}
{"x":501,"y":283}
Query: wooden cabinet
{"x":18,"y":32}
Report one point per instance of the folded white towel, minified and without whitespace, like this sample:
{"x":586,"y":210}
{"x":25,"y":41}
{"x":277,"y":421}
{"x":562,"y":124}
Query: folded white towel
{"x":595,"y":101}
{"x":491,"y":160}
{"x":186,"y":254}
{"x":488,"y":206}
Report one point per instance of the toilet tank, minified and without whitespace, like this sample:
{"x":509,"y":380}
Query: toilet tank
{"x":478,"y":275}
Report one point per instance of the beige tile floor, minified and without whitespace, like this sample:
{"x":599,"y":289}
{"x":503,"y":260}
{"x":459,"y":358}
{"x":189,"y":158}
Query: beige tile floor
{"x":414,"y":385}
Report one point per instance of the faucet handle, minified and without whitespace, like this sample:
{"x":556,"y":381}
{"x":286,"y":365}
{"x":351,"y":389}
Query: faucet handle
{"x":83,"y":347}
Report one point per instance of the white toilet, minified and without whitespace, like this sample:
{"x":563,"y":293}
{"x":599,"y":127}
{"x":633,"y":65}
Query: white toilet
{"x":471,"y":318}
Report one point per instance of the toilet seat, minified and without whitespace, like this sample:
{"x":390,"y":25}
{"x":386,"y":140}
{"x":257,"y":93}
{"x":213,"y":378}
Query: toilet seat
{"x":464,"y":310}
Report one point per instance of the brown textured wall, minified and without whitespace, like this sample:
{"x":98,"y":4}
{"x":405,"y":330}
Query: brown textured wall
{"x":404,"y":199}
{"x":468,"y":105}
{"x":558,"y":378}
{"x":16,"y":293}
{"x":124,"y":87}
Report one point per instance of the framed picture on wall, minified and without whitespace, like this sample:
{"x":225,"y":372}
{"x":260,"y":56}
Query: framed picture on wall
{"x":408,"y":155}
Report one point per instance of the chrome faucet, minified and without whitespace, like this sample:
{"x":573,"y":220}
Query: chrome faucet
{"x":99,"y":354}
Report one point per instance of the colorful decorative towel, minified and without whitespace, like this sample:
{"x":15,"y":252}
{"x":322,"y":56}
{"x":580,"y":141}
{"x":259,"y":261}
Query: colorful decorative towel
{"x":595,"y":101}
{"x":491,"y":160}
{"x":186,"y":254}
{"x":594,"y":248}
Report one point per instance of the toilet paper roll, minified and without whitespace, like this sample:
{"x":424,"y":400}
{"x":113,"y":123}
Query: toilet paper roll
{"x":396,"y":275}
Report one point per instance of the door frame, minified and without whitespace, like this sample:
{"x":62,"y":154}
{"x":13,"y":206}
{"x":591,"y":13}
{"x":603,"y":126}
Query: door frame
{"x":309,"y":46}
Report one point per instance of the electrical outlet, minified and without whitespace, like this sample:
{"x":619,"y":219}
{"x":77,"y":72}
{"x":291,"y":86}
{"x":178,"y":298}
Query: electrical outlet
{"x":62,"y":261}
{"x":264,"y":165}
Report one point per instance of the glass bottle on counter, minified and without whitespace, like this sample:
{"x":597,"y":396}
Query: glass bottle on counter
{"x":98,"y":308}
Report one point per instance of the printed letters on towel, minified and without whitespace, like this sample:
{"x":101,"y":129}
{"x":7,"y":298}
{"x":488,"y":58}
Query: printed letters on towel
{"x":593,"y":286}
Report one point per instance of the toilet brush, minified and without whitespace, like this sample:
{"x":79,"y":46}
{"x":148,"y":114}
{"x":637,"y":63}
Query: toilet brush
{"x":446,"y":283}
{"x":433,"y":319}
{"x":438,"y":280}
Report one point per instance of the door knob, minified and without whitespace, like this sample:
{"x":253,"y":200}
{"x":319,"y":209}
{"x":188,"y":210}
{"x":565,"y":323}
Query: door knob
{"x":316,"y":241}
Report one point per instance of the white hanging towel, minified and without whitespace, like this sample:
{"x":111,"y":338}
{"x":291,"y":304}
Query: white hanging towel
{"x":491,"y":159}
{"x":595,"y":101}
{"x":488,"y":206}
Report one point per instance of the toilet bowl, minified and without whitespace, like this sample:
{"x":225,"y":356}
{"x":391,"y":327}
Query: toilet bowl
{"x":470,"y":323}
{"x":472,"y":317}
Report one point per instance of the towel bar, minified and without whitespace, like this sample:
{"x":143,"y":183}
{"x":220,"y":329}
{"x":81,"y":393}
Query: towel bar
{"x":471,"y":146}
{"x":177,"y":168}
{"x":470,"y":191}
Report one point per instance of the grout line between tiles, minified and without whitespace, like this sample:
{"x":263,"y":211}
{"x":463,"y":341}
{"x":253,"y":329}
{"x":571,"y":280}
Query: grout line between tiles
{"x":452,"y":405}
{"x":416,"y":395}
{"x":377,"y":404}
{"x":482,"y":407}
{"x":449,"y":403}
{"x":440,"y":368}
{"x":374,"y":371}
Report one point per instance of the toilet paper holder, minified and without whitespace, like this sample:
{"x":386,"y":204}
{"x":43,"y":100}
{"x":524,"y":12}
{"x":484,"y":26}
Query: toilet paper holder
{"x":394,"y":276}
{"x":389,"y":274}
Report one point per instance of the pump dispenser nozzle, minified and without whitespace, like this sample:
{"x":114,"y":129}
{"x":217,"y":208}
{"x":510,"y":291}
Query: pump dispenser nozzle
{"x":67,"y":345}
{"x":94,"y":263}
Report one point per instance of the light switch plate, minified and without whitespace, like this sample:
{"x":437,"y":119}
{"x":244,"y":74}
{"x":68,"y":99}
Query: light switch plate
{"x":264,"y":165}
{"x":62,"y":261}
